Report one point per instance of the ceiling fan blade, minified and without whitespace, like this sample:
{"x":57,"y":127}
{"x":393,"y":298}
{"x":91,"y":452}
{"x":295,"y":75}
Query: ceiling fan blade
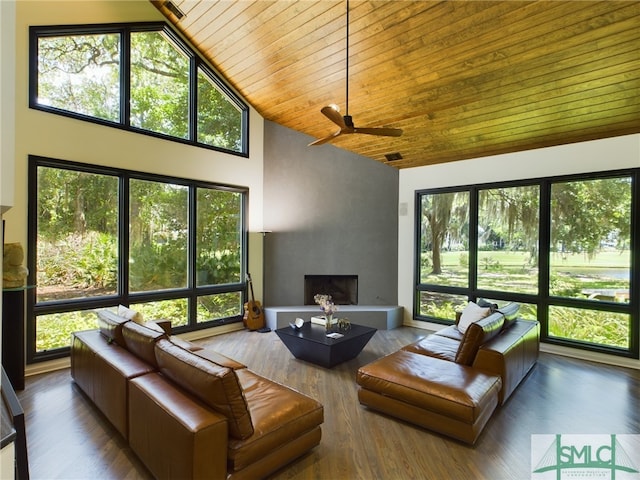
{"x":385,"y":132}
{"x":325,"y":139}
{"x":333,"y":115}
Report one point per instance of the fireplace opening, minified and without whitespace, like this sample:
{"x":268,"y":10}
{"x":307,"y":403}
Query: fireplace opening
{"x":342,"y":288}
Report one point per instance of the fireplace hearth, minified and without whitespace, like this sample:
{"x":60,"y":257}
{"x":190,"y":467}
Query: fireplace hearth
{"x":342,"y":288}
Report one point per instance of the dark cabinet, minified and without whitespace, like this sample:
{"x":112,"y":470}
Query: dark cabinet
{"x":13,"y":358}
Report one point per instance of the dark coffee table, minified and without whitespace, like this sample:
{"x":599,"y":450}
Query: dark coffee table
{"x":310,"y":343}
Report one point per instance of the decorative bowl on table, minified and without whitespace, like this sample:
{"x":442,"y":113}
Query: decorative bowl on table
{"x":297,"y":324}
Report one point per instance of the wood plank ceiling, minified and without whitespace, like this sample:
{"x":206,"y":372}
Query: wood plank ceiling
{"x":463,"y":79}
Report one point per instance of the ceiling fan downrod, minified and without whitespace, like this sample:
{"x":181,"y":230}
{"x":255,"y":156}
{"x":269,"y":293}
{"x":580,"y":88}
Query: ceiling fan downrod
{"x":347,"y":68}
{"x":345,"y":122}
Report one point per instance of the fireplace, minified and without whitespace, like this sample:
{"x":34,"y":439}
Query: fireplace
{"x":342,"y":288}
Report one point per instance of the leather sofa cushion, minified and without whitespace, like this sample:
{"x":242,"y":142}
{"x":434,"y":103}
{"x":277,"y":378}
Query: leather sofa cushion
{"x":110,"y":326}
{"x":477,"y":334}
{"x":187,"y":345}
{"x":215,"y":385}
{"x":140,"y":340}
{"x":450,"y":332}
{"x":435,"y":345}
{"x":510,"y":312}
{"x":218,"y":358}
{"x":279,"y":413}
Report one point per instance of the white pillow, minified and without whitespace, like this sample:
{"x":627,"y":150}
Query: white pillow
{"x":471,"y":313}
{"x":129,"y":314}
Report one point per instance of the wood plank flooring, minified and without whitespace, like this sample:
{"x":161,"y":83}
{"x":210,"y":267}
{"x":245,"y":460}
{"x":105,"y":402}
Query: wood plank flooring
{"x":68,"y":438}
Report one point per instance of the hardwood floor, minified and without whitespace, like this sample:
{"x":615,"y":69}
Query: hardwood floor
{"x":68,"y":438}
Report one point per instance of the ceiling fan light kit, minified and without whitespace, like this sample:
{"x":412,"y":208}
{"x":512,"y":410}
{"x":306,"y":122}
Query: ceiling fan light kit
{"x":345,"y":122}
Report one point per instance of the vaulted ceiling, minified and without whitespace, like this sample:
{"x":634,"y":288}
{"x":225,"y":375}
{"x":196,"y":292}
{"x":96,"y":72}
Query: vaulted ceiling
{"x":462,"y":79}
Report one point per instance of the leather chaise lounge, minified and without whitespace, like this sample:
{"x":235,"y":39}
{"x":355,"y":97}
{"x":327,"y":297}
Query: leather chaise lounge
{"x":451,"y":382}
{"x":189,"y":412}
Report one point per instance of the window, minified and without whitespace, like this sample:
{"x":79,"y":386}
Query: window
{"x":590,"y":260}
{"x":141,"y":77}
{"x":218,"y":237}
{"x":159,"y":85}
{"x":561,"y":247}
{"x":80,"y":73}
{"x":105,"y":237}
{"x":158,"y":225}
{"x":444,"y":252}
{"x":508,"y":228}
{"x":219,"y":116}
{"x":77,"y":234}
{"x":445,"y":240}
{"x":590,"y":239}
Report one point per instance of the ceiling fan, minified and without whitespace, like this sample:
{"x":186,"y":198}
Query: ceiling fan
{"x":345,"y":122}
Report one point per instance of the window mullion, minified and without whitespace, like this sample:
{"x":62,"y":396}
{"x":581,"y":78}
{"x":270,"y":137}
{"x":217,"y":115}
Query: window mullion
{"x":544,"y":260}
{"x":192,"y":252}
{"x":473,"y":241}
{"x":125,"y":78}
{"x":634,"y":287}
{"x":193,"y":99}
{"x":123,"y":239}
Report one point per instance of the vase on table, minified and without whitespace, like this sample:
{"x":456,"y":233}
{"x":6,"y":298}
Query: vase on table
{"x":329,"y":321}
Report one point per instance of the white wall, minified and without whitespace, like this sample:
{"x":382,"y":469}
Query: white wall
{"x":7,"y":103}
{"x":600,"y":155}
{"x":49,"y":135}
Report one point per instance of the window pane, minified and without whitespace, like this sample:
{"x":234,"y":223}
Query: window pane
{"x":592,"y":326}
{"x":508,"y":225}
{"x":444,"y":239}
{"x":158,"y":236}
{"x":54,"y":331}
{"x":441,"y":305}
{"x":81,"y":74}
{"x":159,"y":85}
{"x":219,"y":238}
{"x":216,"y":307}
{"x":77,"y":234}
{"x":173,"y":310}
{"x":590,"y":255}
{"x":219,"y":119}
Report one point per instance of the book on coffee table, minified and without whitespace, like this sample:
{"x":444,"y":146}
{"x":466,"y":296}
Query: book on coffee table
{"x":322,"y":320}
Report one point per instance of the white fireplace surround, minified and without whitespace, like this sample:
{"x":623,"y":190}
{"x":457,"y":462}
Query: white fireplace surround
{"x":382,"y":317}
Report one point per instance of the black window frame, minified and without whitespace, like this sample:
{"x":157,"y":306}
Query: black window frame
{"x":191,"y":292}
{"x":543,"y":300}
{"x":125,"y":30}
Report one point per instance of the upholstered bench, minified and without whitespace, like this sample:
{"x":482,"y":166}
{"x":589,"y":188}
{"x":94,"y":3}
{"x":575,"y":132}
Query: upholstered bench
{"x":452,"y":399}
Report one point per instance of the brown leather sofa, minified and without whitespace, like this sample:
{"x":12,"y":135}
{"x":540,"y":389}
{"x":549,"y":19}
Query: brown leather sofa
{"x":451,"y":382}
{"x":188,"y":412}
